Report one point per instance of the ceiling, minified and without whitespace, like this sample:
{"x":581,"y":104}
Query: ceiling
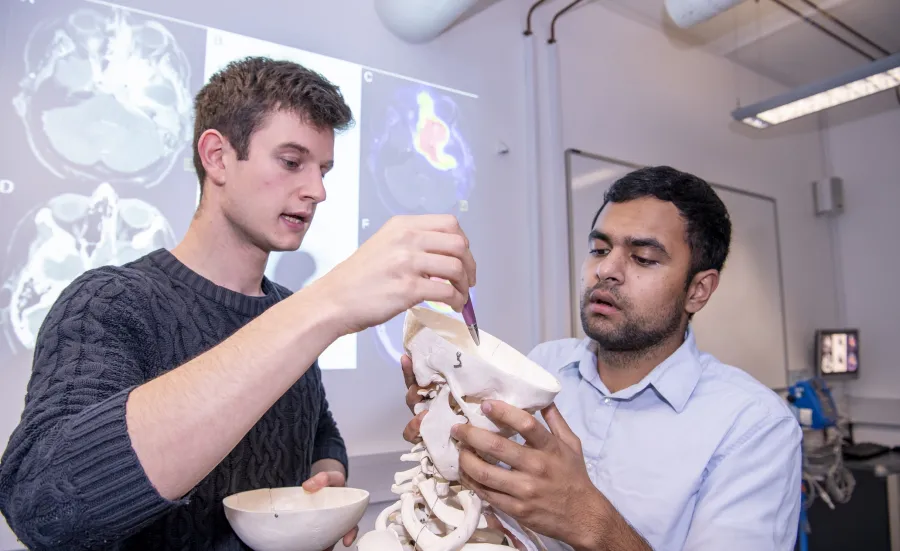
{"x":770,"y":40}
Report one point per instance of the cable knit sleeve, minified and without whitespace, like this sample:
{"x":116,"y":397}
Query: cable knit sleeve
{"x":329,"y":444}
{"x":69,"y":478}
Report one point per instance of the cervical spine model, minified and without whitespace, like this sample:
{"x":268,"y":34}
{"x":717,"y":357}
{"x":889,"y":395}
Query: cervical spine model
{"x":434,"y":512}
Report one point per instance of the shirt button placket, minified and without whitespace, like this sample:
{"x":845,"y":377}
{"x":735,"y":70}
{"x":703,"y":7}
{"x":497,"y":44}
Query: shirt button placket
{"x":604,"y":421}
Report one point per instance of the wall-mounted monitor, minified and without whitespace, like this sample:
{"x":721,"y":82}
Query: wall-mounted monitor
{"x":837,"y":352}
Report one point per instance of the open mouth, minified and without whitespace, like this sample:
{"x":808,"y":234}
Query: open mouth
{"x":603,"y":302}
{"x":295,"y":218}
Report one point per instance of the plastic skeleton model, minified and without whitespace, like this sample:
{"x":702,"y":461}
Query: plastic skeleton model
{"x":434,"y":512}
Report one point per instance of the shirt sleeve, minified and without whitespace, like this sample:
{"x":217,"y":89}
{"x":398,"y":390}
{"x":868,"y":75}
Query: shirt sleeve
{"x":750,"y":499}
{"x":69,"y":478}
{"x":329,"y":444}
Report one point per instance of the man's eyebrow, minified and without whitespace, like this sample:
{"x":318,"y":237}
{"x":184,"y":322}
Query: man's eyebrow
{"x":302,"y":149}
{"x":646,"y":242}
{"x":630,"y":241}
{"x":597,"y":235}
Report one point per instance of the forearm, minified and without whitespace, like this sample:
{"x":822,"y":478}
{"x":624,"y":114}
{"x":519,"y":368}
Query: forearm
{"x":185,"y":422}
{"x":605,"y":529}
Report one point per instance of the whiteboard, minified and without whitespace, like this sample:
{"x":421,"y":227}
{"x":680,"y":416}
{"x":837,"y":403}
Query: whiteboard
{"x":743,"y":324}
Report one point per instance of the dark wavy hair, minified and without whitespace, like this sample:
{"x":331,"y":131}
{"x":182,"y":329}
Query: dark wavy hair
{"x":706,"y":218}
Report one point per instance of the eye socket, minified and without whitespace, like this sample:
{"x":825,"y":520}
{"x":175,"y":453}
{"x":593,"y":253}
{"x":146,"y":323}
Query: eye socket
{"x":290,"y":164}
{"x":599,"y":252}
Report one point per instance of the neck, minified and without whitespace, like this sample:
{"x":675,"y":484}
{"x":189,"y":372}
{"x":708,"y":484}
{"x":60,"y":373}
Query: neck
{"x":216,"y":250}
{"x":619,"y":370}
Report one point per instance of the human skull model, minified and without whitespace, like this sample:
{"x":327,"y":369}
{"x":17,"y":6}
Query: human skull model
{"x":434,"y":512}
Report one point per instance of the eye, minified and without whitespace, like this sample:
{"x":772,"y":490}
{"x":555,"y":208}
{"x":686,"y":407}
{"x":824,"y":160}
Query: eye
{"x":290,"y":164}
{"x":599,"y":252}
{"x":644,"y":261}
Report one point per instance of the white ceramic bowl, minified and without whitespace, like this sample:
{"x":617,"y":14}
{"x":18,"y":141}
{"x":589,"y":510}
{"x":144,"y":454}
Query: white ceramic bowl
{"x":292,"y":519}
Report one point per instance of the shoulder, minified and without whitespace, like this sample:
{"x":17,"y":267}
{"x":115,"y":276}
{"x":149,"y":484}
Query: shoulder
{"x":106,"y":282}
{"x":749,"y":408}
{"x":733,"y":384}
{"x":104,"y":315}
{"x":106,"y":291}
{"x":555,"y":354}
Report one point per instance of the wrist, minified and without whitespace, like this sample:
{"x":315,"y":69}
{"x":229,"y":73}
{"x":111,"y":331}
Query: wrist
{"x":322,"y":307}
{"x":603,"y":528}
{"x":596,"y":518}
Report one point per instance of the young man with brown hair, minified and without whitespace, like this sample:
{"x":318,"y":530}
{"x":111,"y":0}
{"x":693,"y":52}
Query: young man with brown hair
{"x":164,"y":385}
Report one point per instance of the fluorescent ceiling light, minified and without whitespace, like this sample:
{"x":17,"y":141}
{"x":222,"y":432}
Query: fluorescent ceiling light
{"x":878,"y":76}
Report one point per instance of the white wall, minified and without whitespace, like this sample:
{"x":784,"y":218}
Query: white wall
{"x":863,"y":142}
{"x":630,"y":92}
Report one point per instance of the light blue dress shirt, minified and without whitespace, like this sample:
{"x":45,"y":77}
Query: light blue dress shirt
{"x":698,"y":456}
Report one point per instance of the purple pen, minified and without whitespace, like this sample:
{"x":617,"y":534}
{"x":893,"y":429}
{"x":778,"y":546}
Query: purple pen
{"x":469,"y":316}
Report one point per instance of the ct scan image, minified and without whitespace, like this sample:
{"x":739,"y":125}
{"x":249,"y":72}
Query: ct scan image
{"x":95,"y":163}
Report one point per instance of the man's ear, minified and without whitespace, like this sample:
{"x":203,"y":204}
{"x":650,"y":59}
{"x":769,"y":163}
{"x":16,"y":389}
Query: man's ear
{"x":213,"y":147}
{"x":700,"y":290}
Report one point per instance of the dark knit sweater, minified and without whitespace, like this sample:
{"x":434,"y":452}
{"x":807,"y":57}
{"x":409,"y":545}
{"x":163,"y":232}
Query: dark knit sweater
{"x":69,"y":478}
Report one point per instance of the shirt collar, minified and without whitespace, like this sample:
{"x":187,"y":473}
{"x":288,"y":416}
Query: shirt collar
{"x":674,"y":379}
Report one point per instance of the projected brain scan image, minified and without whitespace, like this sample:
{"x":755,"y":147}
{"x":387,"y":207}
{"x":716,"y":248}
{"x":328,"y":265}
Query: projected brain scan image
{"x":68,"y":235}
{"x":419,"y":160}
{"x":106,"y":97}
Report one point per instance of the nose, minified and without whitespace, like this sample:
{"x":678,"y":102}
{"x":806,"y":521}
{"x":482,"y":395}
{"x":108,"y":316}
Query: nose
{"x":611,"y":267}
{"x":314,"y":188}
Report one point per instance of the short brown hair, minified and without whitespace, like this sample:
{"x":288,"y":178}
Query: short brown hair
{"x":238,"y":98}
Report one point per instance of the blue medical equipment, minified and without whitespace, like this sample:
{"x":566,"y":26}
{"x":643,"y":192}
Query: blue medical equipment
{"x":824,"y":474}
{"x":813,"y":404}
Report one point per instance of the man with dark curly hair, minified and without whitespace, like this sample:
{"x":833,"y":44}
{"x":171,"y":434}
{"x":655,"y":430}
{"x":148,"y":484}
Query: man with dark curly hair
{"x":164,"y":385}
{"x":652,"y":444}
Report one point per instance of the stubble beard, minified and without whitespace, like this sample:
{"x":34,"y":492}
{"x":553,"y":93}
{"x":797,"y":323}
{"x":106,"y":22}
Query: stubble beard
{"x":633,"y":336}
